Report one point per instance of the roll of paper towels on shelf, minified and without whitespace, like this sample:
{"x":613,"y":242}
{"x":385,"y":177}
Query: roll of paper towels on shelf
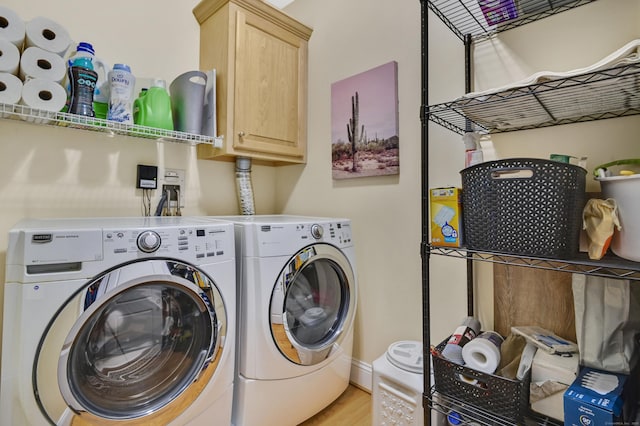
{"x":48,"y":35}
{"x":39,"y":63}
{"x":483,"y":352}
{"x":45,"y":96}
{"x":12,"y":28}
{"x":9,"y":57}
{"x":10,"y":93}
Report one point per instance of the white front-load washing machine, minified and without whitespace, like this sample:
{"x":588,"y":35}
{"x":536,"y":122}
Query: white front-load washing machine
{"x":297,"y":302}
{"x":119,"y":321}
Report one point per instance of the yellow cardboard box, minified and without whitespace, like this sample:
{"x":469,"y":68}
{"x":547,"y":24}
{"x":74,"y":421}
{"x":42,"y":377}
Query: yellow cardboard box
{"x":446,"y":216}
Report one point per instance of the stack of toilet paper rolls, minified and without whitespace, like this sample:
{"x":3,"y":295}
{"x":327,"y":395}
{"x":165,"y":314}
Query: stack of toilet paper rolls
{"x":32,"y":66}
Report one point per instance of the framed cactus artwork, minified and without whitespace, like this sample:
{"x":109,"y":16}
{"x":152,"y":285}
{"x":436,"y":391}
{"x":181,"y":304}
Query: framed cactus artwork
{"x":364,"y":124}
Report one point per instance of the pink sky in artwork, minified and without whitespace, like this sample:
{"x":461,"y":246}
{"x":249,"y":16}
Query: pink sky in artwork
{"x":377,"y":91}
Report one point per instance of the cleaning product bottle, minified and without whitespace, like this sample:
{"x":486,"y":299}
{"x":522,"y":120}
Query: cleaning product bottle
{"x":153,"y":107}
{"x":82,"y":83}
{"x":121,"y":86}
{"x":101,"y":91}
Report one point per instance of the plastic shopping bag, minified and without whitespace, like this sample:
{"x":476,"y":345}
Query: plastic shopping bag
{"x":607,"y":314}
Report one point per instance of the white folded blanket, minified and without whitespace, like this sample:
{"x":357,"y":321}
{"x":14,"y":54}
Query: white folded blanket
{"x":627,"y":54}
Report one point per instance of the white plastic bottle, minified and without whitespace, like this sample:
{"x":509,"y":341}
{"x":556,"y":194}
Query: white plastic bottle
{"x":121,"y":87}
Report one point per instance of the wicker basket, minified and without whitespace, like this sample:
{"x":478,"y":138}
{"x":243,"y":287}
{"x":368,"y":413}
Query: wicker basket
{"x":497,"y":395}
{"x":524,"y":206}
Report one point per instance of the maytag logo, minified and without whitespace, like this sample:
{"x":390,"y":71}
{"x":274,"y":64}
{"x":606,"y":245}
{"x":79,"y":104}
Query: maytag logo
{"x":41,"y":238}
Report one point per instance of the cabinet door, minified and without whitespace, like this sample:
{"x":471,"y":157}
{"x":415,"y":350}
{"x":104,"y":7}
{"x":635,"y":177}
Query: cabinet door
{"x":270,"y":88}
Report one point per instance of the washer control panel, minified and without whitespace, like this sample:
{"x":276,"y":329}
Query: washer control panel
{"x":188,"y":242}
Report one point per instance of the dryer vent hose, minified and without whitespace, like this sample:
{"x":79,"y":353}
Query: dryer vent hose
{"x":244,"y":186}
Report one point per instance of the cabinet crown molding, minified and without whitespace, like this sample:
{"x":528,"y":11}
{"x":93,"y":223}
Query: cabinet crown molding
{"x":206,"y":8}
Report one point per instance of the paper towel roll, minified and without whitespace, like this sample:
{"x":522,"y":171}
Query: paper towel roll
{"x":10,"y":93}
{"x":39,"y":63}
{"x":48,"y":35}
{"x":483,"y":352}
{"x":46,"y":97}
{"x":12,"y":27}
{"x":9,"y":57}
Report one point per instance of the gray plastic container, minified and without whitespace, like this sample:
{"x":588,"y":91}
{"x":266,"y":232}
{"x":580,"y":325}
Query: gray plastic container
{"x":187,"y":101}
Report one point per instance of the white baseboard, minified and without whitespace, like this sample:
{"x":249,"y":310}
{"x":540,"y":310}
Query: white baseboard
{"x":361,"y":374}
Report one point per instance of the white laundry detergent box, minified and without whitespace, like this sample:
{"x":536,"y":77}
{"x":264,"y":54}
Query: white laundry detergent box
{"x":599,"y":397}
{"x":446,"y":216}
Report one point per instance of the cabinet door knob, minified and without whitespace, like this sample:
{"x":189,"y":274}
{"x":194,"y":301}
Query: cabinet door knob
{"x":241,"y":134}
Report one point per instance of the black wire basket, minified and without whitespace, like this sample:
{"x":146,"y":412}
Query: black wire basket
{"x":524,"y":206}
{"x":497,"y":395}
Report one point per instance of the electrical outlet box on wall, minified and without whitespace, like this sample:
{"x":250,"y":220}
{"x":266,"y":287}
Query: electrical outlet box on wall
{"x":172,"y":181}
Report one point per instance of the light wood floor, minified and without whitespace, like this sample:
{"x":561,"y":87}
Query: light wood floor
{"x":352,"y":408}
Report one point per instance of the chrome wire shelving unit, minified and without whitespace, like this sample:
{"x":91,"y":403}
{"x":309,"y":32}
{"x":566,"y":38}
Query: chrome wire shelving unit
{"x":610,"y":266}
{"x":607,"y":93}
{"x":61,"y":119}
{"x":464,"y":17}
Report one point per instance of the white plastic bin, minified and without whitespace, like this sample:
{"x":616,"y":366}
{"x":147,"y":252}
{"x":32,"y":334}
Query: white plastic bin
{"x":397,"y":385}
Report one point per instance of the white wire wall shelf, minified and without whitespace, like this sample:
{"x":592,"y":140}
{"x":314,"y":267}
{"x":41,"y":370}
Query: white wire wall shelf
{"x":608,"y":93}
{"x":62,"y":119}
{"x":610,"y":266}
{"x":465,"y":18}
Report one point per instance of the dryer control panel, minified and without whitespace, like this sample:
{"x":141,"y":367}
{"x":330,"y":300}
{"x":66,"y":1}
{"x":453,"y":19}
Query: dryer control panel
{"x":285,"y":238}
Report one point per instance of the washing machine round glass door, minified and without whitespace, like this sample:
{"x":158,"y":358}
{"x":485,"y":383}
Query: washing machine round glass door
{"x":138,"y":343}
{"x":313,"y":304}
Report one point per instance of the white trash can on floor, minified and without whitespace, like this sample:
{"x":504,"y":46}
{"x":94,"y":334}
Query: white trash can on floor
{"x":397,"y":385}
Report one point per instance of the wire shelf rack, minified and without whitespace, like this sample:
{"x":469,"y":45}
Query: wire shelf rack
{"x":62,"y":119}
{"x":442,"y":403}
{"x":465,"y":18}
{"x":608,"y":93}
{"x":609,"y":266}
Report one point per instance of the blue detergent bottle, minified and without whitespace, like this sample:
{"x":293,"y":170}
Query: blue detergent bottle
{"x":82,"y":84}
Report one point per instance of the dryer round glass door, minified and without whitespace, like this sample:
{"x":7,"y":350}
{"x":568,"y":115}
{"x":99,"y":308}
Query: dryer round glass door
{"x":312,"y":304}
{"x":138,"y":342}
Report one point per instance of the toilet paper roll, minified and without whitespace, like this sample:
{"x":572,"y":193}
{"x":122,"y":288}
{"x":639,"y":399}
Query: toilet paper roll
{"x":10,"y":93}
{"x":9,"y":56}
{"x":12,"y":27}
{"x":39,"y":63}
{"x":483,"y":352}
{"x":48,"y":35}
{"x":45,"y":97}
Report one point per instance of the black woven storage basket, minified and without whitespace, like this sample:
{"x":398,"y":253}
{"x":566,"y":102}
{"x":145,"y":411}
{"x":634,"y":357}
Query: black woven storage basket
{"x":525,"y":206}
{"x":497,"y":395}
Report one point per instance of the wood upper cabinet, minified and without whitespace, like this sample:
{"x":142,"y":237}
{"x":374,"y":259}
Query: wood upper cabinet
{"x":260,"y":56}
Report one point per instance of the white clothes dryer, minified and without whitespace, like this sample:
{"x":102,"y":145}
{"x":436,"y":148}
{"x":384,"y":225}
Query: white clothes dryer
{"x":297,"y":302}
{"x":119,"y":320}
